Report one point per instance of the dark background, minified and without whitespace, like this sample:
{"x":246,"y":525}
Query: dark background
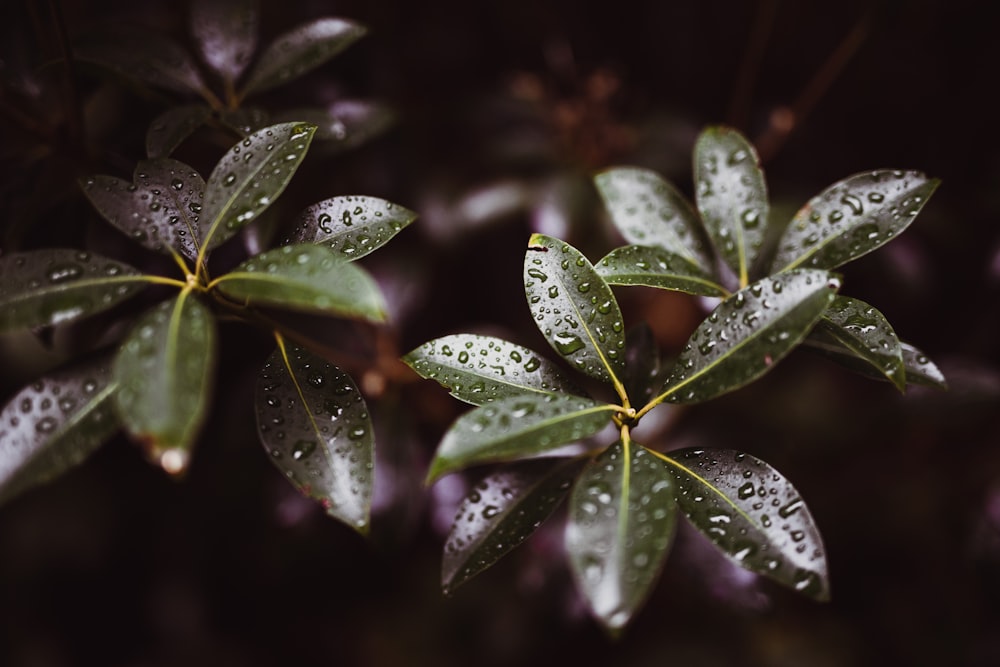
{"x":115,"y":564}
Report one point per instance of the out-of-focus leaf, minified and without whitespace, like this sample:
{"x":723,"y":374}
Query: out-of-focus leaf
{"x":752,"y":514}
{"x":656,"y":267}
{"x":517,"y":427}
{"x":296,"y":52}
{"x":314,"y":423}
{"x":622,"y":517}
{"x":748,"y":333}
{"x":304,"y":277}
{"x":353,"y":225}
{"x":482,"y":369}
{"x":851,"y":218}
{"x":249,"y":177}
{"x":53,"y":425}
{"x":158,"y":210}
{"x":574,"y":308}
{"x":919,"y":369}
{"x":649,"y":211}
{"x":644,"y":374}
{"x":225,"y":33}
{"x":859,"y":330}
{"x":732,"y":196}
{"x":172,"y":127}
{"x":43,"y":287}
{"x":345,"y":123}
{"x":245,"y":120}
{"x":143,"y":56}
{"x":164,"y":376}
{"x":500,"y":513}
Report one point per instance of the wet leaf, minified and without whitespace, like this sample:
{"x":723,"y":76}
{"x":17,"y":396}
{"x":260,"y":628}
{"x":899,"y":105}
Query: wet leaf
{"x":517,"y":427}
{"x":172,"y":127}
{"x":852,"y":217}
{"x":500,"y":513}
{"x":250,"y":176}
{"x":748,"y":333}
{"x":164,"y":374}
{"x":622,"y":518}
{"x":304,"y":277}
{"x":481,"y":369}
{"x":296,"y":52}
{"x":159,"y":209}
{"x":858,"y":329}
{"x":918,"y":368}
{"x":353,"y":226}
{"x":44,"y":287}
{"x":732,"y":196}
{"x":345,"y":123}
{"x":574,"y":308}
{"x":752,"y":514}
{"x":649,"y":211}
{"x":656,"y":267}
{"x":314,"y":423}
{"x":142,"y":56}
{"x":245,"y":120}
{"x":54,"y":424}
{"x":225,"y":33}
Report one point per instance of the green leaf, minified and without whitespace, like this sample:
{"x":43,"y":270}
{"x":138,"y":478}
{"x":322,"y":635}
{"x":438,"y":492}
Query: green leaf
{"x":142,"y":56}
{"x":482,"y":369}
{"x":313,"y":421}
{"x":158,"y":210}
{"x":296,"y":52}
{"x":345,"y":124}
{"x":622,"y":518}
{"x":304,"y":277}
{"x":852,"y":217}
{"x":574,"y":308}
{"x":500,"y":513}
{"x":53,"y":425}
{"x":250,"y":176}
{"x":164,"y":373}
{"x":644,"y":371}
{"x":748,"y":333}
{"x":225,"y":33}
{"x":649,"y":211}
{"x":656,"y":267}
{"x":353,"y":226}
{"x":245,"y":120}
{"x":918,"y":368}
{"x":517,"y":427}
{"x":731,"y":196}
{"x":858,"y":329}
{"x":752,"y":514}
{"x":44,"y":287}
{"x":172,"y":127}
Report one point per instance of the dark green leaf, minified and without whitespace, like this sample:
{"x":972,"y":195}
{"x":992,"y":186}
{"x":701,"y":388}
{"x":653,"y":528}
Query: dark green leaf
{"x":296,"y":52}
{"x":919,"y":369}
{"x":656,"y":267}
{"x":172,"y":127}
{"x":574,"y":308}
{"x":752,"y":514}
{"x":353,"y":226}
{"x":858,"y":329}
{"x":314,"y":423}
{"x":54,"y":424}
{"x":43,"y":287}
{"x":644,"y":374}
{"x":622,"y":518}
{"x":164,"y":375}
{"x":345,"y":123}
{"x":304,"y":277}
{"x":142,"y":56}
{"x":225,"y":32}
{"x":852,"y":218}
{"x":245,"y":120}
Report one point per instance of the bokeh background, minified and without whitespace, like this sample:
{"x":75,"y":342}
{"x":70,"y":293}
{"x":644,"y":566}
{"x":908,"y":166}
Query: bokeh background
{"x":503,"y":112}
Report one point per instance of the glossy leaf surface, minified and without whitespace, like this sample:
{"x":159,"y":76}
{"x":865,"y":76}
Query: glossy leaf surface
{"x":862,"y":331}
{"x":143,"y":56}
{"x":246,"y":120}
{"x":752,"y":514}
{"x":353,"y":226}
{"x":481,"y":369}
{"x":622,"y":518}
{"x":918,"y":367}
{"x":852,"y":217}
{"x":315,"y":425}
{"x":225,"y":33}
{"x":44,"y":287}
{"x":172,"y":127}
{"x":574,"y":308}
{"x":345,"y":123}
{"x":656,"y":267}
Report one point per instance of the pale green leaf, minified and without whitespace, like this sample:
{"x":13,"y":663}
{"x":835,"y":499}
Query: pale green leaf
{"x":656,"y":267}
{"x":353,"y":225}
{"x":172,"y":127}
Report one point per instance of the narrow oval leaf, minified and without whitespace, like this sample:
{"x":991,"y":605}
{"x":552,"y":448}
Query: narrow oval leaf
{"x":164,"y":374}
{"x":304,"y":48}
{"x":853,"y":217}
{"x":621,"y":524}
{"x":482,"y":369}
{"x":656,"y":267}
{"x":225,"y":33}
{"x":645,"y":374}
{"x":574,"y":308}
{"x":345,"y":124}
{"x":752,"y":514}
{"x":158,"y":210}
{"x":250,"y":177}
{"x":918,"y":368}
{"x":53,"y":425}
{"x":500,"y":513}
{"x":44,"y":287}
{"x":353,"y":226}
{"x":748,"y":333}
{"x":313,"y":421}
{"x":304,"y":277}
{"x":143,"y":56}
{"x":517,"y":427}
{"x":246,"y":120}
{"x":172,"y":127}
{"x":731,"y":196}
{"x":862,"y":331}
{"x":649,"y":211}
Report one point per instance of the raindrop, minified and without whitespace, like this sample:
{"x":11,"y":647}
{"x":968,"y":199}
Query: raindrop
{"x":357,"y":433}
{"x":490,"y":511}
{"x":532,"y":365}
{"x":854,"y":203}
{"x":64,"y":273}
{"x":537,"y":274}
{"x":567,"y":343}
{"x":46,"y":425}
{"x":303,"y":449}
{"x":229,"y":179}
